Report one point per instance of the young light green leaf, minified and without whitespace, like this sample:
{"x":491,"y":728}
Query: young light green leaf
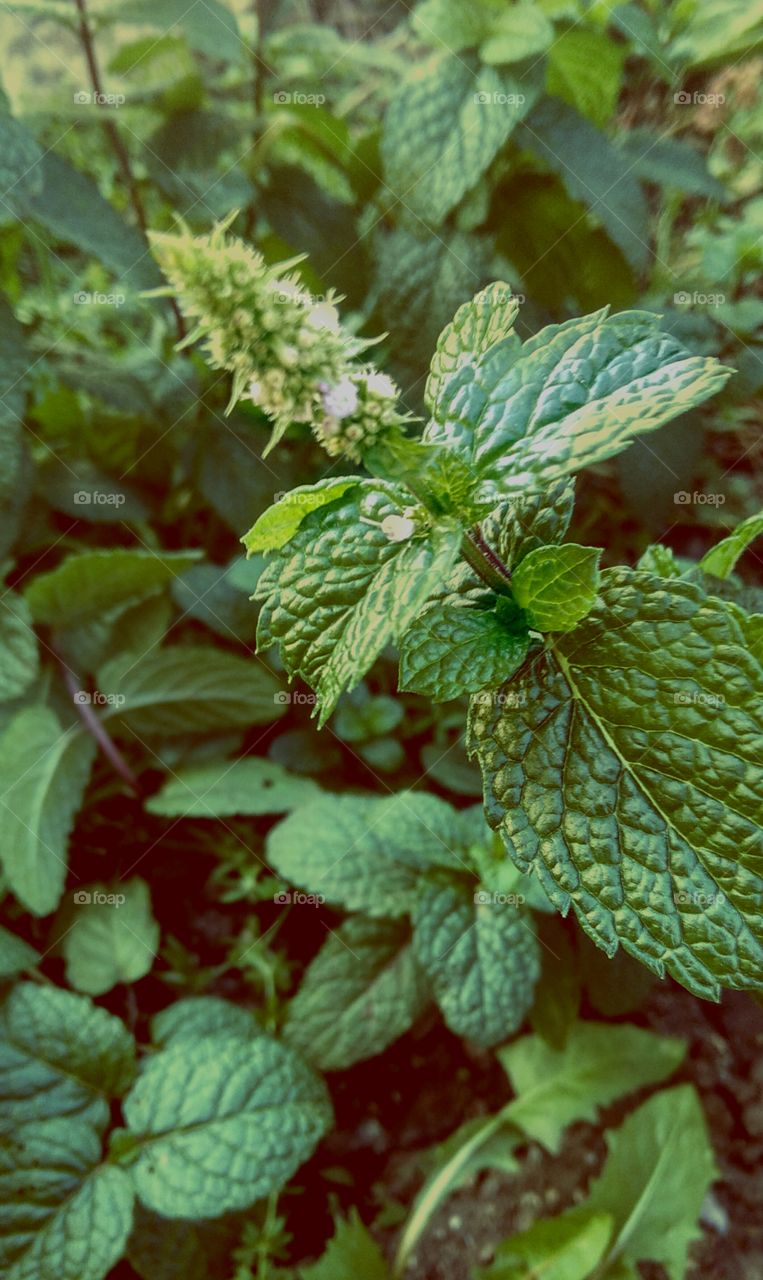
{"x":196,"y":1017}
{"x":111,"y":941}
{"x":569,"y":1247}
{"x":362,"y":990}
{"x":557,"y":586}
{"x":522,"y":31}
{"x":444,"y":127}
{"x":661,"y":561}
{"x":649,"y":858}
{"x":476,"y":327}
{"x":189,"y":689}
{"x":366,"y":854}
{"x":481,"y":955}
{"x":447,"y":24}
{"x":90,"y":583}
{"x":280,"y":522}
{"x":60,"y":1056}
{"x":576,"y":393}
{"x":16,"y":955}
{"x":658,"y":1171}
{"x":556,"y":1087}
{"x":221,"y":1122}
{"x":351,"y":1253}
{"x":223,"y":788}
{"x":585,"y":69}
{"x":345,"y":586}
{"x":63,"y":1215}
{"x":451,"y":649}
{"x":19,"y":658}
{"x":721,"y":559}
{"x":43,"y":772}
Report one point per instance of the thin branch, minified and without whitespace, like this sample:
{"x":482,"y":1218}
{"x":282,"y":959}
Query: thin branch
{"x":485,"y":562}
{"x":95,"y":726}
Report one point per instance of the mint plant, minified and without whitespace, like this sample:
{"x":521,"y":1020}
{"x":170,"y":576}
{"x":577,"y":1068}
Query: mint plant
{"x":611,"y":710}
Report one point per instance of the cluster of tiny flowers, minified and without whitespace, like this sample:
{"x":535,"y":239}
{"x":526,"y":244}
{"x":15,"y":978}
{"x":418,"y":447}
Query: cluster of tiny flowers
{"x":357,"y":411}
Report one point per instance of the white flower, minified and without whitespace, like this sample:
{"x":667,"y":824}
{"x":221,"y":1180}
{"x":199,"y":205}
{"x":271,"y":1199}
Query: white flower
{"x":323,"y":315}
{"x":342,"y":400}
{"x":379,"y":384}
{"x":397,"y":528}
{"x":255,"y":391}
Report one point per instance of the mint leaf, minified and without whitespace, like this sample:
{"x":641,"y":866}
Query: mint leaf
{"x":444,"y":127}
{"x":451,"y":649}
{"x":556,"y":586}
{"x":476,"y":327}
{"x":585,"y":69}
{"x":481,"y":956}
{"x":351,"y":1252}
{"x":19,"y":659}
{"x":362,"y":990}
{"x":659,"y":1168}
{"x":111,"y":942}
{"x":60,"y":1056}
{"x":223,"y":788}
{"x":188,"y":688}
{"x":221,"y":1122}
{"x":90,"y":583}
{"x":16,"y":955}
{"x":648,"y":857}
{"x":522,"y":31}
{"x":63,"y":1216}
{"x":280,"y":522}
{"x":343,"y":588}
{"x":569,"y":1247}
{"x":721,"y":559}
{"x":451,"y":25}
{"x":44,"y":772}
{"x":366,"y":854}
{"x":576,"y":393}
{"x":556,"y":1087}
{"x":195,"y":1017}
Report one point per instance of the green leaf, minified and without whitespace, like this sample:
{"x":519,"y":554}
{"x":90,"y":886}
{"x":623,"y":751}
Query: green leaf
{"x":44,"y":772}
{"x":721,"y":559}
{"x":362,"y":991}
{"x":557,"y":585}
{"x":569,"y":1247}
{"x":220,"y":1123}
{"x":16,"y":955}
{"x":189,"y":688}
{"x":60,"y":1056}
{"x":63,"y":1216}
{"x":594,"y":171}
{"x":89,"y":583}
{"x":212,"y":31}
{"x":196,"y":1017}
{"x":636,"y":797}
{"x":20,"y":174}
{"x":205,"y":592}
{"x":725,"y":31}
{"x":451,"y":649}
{"x":658,"y":1171}
{"x":19,"y":659}
{"x":443,"y":129}
{"x":585,"y":69}
{"x":223,"y":788}
{"x":280,"y":522}
{"x":557,"y":995}
{"x":522,"y":31}
{"x":481,"y":955}
{"x":599,"y":1063}
{"x":350,"y":1253}
{"x":111,"y":941}
{"x":671,"y":163}
{"x":342,"y":589}
{"x":366,"y":854}
{"x":476,"y":327}
{"x":576,"y":394}
{"x":661,"y":561}
{"x":452,"y":25}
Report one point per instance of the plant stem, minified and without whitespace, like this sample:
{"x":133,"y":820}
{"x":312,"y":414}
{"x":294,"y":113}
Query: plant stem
{"x":93,"y":724}
{"x":485,"y":562}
